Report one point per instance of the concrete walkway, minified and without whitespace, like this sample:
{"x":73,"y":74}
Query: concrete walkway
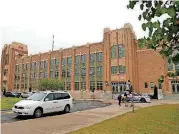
{"x":62,"y":124}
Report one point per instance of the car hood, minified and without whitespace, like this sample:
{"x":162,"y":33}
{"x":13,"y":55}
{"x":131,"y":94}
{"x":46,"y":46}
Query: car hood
{"x":26,"y":103}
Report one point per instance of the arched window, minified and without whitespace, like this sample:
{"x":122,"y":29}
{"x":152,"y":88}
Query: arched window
{"x":113,"y":52}
{"x":121,"y":51}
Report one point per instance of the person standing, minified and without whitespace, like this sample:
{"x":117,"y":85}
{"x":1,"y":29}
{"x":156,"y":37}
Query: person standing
{"x":119,"y":99}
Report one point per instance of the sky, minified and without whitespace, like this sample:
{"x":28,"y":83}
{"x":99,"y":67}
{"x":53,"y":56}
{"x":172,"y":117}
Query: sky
{"x":73,"y":22}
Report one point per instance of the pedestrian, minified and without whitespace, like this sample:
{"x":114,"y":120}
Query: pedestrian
{"x":119,"y":99}
{"x":125,"y":99}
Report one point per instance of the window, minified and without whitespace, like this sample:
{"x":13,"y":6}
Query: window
{"x":122,"y":69}
{"x":99,"y":56}
{"x":49,"y":97}
{"x":170,"y":67}
{"x":56,"y":74}
{"x":51,"y":74}
{"x":63,"y":73}
{"x":45,"y":74}
{"x":113,"y":51}
{"x":56,"y":62}
{"x":92,"y":71}
{"x":121,"y":51}
{"x":177,"y":67}
{"x":5,"y":72}
{"x":83,"y":85}
{"x":92,"y":57}
{"x":76,"y":85}
{"x":41,"y":64}
{"x":151,"y":84}
{"x":83,"y":72}
{"x":66,"y":96}
{"x":27,"y":66}
{"x":99,"y":71}
{"x":146,"y":85}
{"x":57,"y":96}
{"x":69,"y":60}
{"x":77,"y":72}
{"x":77,"y":59}
{"x":7,"y":59}
{"x":99,"y":85}
{"x":68,"y":85}
{"x":41,"y":75}
{"x":83,"y":58}
{"x":114,"y":69}
{"x":63,"y":61}
{"x":68,"y":73}
{"x":46,"y":64}
{"x":52,"y":62}
{"x":92,"y":85}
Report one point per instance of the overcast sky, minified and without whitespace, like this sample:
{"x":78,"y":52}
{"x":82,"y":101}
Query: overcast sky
{"x":73,"y":22}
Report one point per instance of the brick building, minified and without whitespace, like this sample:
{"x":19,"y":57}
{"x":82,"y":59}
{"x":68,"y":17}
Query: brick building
{"x":105,"y":65}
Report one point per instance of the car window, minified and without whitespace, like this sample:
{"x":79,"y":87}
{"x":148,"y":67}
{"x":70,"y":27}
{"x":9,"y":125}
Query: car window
{"x":58,"y":96}
{"x":65,"y":96}
{"x":50,"y":97}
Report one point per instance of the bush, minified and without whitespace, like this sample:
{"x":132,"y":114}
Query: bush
{"x":50,"y":84}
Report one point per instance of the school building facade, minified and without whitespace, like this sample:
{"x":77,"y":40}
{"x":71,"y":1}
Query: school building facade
{"x":105,"y":65}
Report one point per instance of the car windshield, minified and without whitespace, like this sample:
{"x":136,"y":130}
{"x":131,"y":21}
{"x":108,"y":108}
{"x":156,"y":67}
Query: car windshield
{"x":36,"y":96}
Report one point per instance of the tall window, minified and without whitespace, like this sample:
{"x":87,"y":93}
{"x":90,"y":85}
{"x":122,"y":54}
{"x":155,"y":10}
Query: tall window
{"x":99,"y":85}
{"x":68,"y":73}
{"x":92,"y":85}
{"x":45,"y":64}
{"x":99,"y":56}
{"x":113,"y":51}
{"x":52,"y":62}
{"x":170,"y":66}
{"x":77,"y":59}
{"x":7,"y":59}
{"x":56,"y":74}
{"x":63,"y":61}
{"x":122,"y":69}
{"x":92,"y":71}
{"x":76,"y":85}
{"x":92,"y":57}
{"x":83,"y":71}
{"x":63,"y":73}
{"x":69,"y":60}
{"x":51,"y":74}
{"x":121,"y":51}
{"x":83,"y":58}
{"x":99,"y":70}
{"x":77,"y":72}
{"x":114,"y":69}
{"x":68,"y":85}
{"x":83,"y":85}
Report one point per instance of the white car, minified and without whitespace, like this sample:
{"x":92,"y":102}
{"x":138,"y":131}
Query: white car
{"x":44,"y":102}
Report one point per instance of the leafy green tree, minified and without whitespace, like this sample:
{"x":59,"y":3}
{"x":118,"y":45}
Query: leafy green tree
{"x":50,"y":84}
{"x":163,"y":33}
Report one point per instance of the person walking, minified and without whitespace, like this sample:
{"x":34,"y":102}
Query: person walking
{"x":125,"y":99}
{"x":119,"y":99}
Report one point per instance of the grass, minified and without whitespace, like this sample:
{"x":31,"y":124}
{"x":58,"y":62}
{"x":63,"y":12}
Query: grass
{"x":163,"y":119}
{"x":8,"y":102}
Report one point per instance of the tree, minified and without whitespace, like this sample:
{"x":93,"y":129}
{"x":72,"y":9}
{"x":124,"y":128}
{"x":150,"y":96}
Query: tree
{"x":50,"y":84}
{"x":161,"y":33}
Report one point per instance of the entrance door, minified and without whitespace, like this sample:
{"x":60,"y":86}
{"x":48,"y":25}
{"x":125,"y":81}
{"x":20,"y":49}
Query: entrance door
{"x":175,"y":86}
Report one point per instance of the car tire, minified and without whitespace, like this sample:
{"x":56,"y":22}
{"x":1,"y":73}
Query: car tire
{"x":67,"y":109}
{"x":143,"y":100}
{"x":38,"y":113}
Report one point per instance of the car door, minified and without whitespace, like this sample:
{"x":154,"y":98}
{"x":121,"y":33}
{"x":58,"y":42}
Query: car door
{"x":66,"y":99}
{"x":49,"y":103}
{"x":58,"y":102}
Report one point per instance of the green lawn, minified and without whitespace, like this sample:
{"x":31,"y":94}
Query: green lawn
{"x":8,"y":102}
{"x":163,"y":119}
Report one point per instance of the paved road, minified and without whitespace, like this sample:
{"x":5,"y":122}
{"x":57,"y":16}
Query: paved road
{"x":80,"y":105}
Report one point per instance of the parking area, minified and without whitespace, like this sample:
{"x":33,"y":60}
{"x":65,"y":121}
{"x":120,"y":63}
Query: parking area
{"x":80,"y":105}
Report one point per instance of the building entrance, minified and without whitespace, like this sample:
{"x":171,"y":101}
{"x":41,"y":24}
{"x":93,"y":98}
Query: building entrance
{"x":175,"y":86}
{"x":118,"y":87}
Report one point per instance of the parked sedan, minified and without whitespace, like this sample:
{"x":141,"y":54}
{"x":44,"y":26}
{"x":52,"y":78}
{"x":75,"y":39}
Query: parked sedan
{"x":10,"y":94}
{"x":18,"y":94}
{"x":26,"y":94}
{"x":138,"y":98}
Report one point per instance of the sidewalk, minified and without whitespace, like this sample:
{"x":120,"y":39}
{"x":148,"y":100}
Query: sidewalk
{"x":62,"y":124}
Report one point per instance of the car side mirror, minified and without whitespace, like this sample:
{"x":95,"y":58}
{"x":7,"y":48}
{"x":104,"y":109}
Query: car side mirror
{"x":46,"y":99}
